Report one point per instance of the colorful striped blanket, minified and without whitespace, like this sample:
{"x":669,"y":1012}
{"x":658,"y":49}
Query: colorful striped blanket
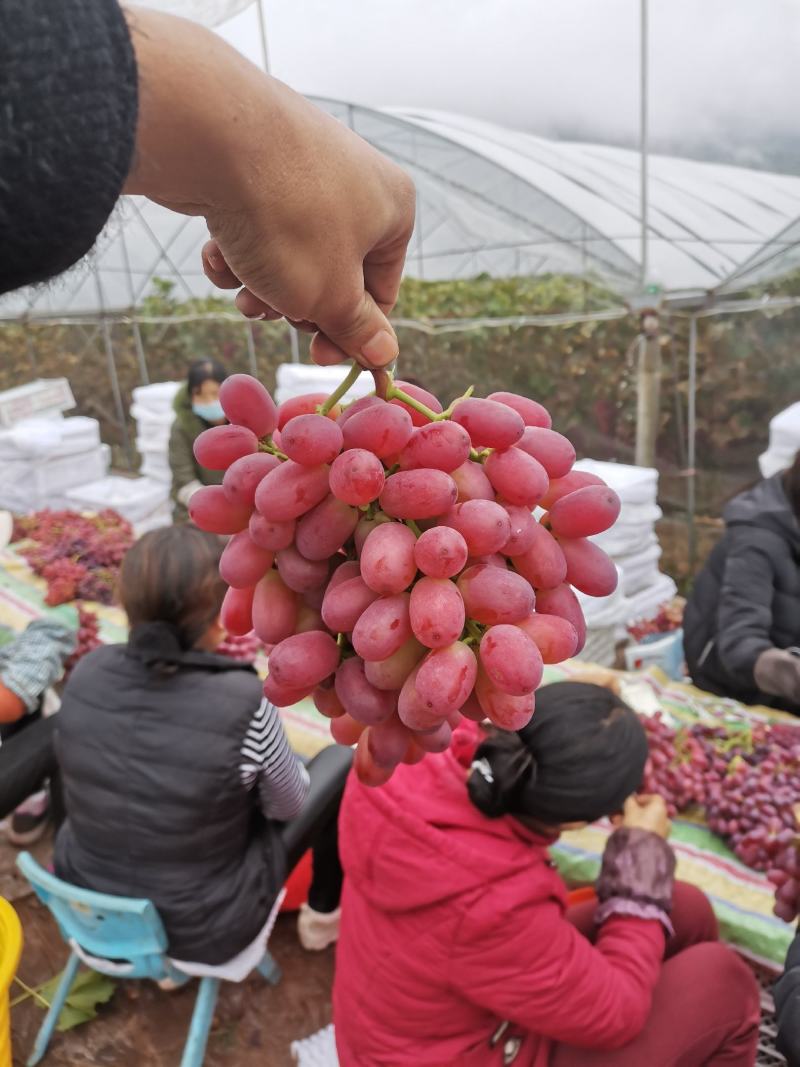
{"x":742,"y":898}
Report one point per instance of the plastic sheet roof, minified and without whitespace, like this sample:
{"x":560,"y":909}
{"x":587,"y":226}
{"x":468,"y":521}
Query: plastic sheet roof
{"x":497,"y":201}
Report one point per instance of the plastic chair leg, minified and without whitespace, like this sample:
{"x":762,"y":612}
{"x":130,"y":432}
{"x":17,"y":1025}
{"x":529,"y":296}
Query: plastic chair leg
{"x":195,"y":1048}
{"x":269,"y":969}
{"x":57,"y":1003}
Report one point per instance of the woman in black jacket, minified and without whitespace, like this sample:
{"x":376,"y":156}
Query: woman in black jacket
{"x":742,"y":622}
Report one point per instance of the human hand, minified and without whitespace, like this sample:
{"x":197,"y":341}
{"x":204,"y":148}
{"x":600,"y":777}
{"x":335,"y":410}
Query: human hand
{"x":646,"y":812}
{"x":777,"y":672}
{"x":306,"y":217}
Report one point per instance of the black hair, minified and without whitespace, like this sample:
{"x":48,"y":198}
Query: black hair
{"x":791,"y":485}
{"x":203,"y":370}
{"x":582,"y":754}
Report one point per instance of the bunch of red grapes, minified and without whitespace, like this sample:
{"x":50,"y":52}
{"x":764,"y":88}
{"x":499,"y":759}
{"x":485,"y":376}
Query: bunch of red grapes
{"x":668,"y":618}
{"x":748,"y":780}
{"x":242,"y":647}
{"x":389,"y":554}
{"x":88,"y":638}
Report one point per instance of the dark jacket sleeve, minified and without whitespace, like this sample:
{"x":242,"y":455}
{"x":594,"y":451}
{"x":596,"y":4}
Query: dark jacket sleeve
{"x":68,"y":104}
{"x":744,"y":613}
{"x":787,"y":1006}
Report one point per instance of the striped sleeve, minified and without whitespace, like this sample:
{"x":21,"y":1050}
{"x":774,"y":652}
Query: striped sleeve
{"x":269,"y":765}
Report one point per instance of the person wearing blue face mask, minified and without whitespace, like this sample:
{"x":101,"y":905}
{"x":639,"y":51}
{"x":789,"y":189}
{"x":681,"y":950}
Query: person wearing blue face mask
{"x":197,"y":407}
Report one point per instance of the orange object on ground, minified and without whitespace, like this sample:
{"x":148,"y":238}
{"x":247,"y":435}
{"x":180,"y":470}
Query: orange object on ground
{"x":581,"y":895}
{"x":297,"y":886}
{"x":10,"y":950}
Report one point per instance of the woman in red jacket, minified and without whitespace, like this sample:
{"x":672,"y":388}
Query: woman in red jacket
{"x":457,"y":948}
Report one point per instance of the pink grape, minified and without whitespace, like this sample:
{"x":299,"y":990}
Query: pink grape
{"x":437,"y":740}
{"x":274,"y":609}
{"x":383,"y":627}
{"x":442,"y":446}
{"x":413,"y":710}
{"x":366,"y":769}
{"x":511,"y":660}
{"x":423,"y":396}
{"x":211,"y":510}
{"x":437,"y":612}
{"x":356,"y":408}
{"x":344,"y":604}
{"x":562,"y":601}
{"x":506,"y":711}
{"x":489,"y":424}
{"x":236,"y":614}
{"x":298,"y":573}
{"x":387,"y":558}
{"x":326,"y":702}
{"x":365,"y":527}
{"x":304,"y":405}
{"x":291,"y":490}
{"x":243,"y":563}
{"x":446,"y":677}
{"x":484,"y":525}
{"x":311,"y":440}
{"x":555,"y":453}
{"x":267,"y":533}
{"x":361,"y":700}
{"x":344,"y":572}
{"x":471,"y":709}
{"x":555,"y":638}
{"x":414,"y":754}
{"x":345,"y":730}
{"x":568,"y":484}
{"x":531,"y":413}
{"x":246,"y":402}
{"x":516,"y":476}
{"x":322,"y":531}
{"x":357,"y":477}
{"x":383,"y":430}
{"x":588,"y":567}
{"x":283,"y":696}
{"x":313,"y":597}
{"x":304,"y":660}
{"x":495,"y":560}
{"x":543,"y":564}
{"x":418,"y":494}
{"x":585,"y":512}
{"x":471,"y":482}
{"x":390,"y":673}
{"x":523,"y":530}
{"x":388,"y":742}
{"x":244,"y":475}
{"x":440,"y":552}
{"x":492,"y":595}
{"x":308,"y":618}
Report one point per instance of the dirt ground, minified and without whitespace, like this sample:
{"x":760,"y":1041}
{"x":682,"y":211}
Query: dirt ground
{"x":143,"y":1027}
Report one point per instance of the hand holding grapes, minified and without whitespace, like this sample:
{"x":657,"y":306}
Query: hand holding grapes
{"x":646,"y":812}
{"x":306,"y":217}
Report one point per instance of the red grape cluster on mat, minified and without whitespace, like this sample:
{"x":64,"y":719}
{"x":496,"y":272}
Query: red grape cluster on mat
{"x":390,"y":555}
{"x":242,"y":647}
{"x":747,"y":778}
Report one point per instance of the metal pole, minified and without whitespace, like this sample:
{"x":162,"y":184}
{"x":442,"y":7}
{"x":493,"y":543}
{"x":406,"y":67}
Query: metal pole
{"x":251,"y":350}
{"x":691,"y":434}
{"x":118,"y":404}
{"x":643,"y":138}
{"x":140,"y":356}
{"x":262,"y":31}
{"x":294,"y":342}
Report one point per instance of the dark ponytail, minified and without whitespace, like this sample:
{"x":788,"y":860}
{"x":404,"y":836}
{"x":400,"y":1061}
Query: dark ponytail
{"x":503,"y":767}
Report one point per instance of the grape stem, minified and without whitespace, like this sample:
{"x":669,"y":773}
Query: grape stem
{"x":266,"y":445}
{"x":474,"y":631}
{"x":383,"y":383}
{"x":413,"y":527}
{"x":341,"y":389}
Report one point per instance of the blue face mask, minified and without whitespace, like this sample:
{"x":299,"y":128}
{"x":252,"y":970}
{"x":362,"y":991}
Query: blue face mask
{"x":210,"y":412}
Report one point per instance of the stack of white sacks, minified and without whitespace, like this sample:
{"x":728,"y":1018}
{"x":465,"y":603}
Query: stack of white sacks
{"x":295,"y":379}
{"x":144,"y":501}
{"x":633,"y":545}
{"x":784,"y":441}
{"x":42,"y":453}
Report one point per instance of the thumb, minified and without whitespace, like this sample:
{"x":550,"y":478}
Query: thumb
{"x":355,"y":329}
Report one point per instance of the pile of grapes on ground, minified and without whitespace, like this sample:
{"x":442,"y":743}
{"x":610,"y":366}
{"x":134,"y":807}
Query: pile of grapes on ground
{"x":746,"y":778}
{"x":392,"y":558}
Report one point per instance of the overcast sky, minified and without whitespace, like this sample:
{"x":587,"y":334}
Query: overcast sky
{"x":720,"y":69}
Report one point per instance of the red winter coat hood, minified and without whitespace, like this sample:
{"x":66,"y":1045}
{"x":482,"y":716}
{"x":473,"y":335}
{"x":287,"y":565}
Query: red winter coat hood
{"x":453,"y":923}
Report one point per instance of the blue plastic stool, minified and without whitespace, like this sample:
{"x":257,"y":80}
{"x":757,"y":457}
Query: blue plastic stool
{"x":125,"y":938}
